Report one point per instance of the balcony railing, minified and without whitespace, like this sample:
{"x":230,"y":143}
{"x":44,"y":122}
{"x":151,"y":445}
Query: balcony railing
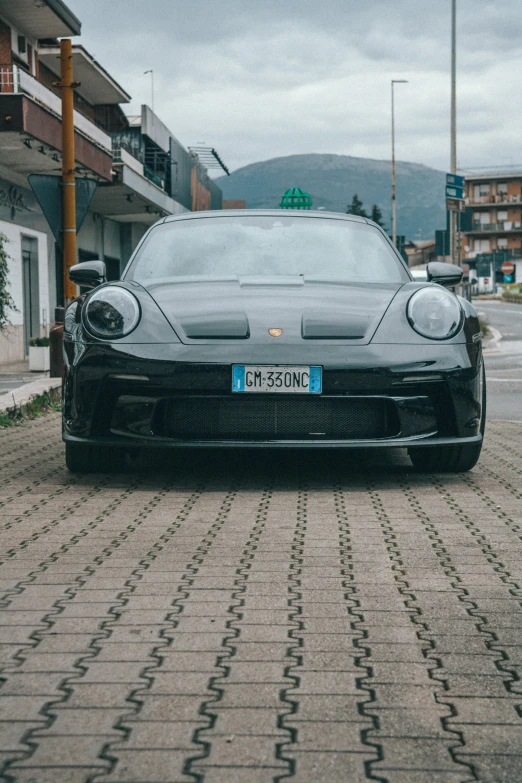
{"x":14,"y":79}
{"x":160,"y":183}
{"x":120,"y":155}
{"x":515,"y":252}
{"x":500,"y":198}
{"x":508,"y":225}
{"x":495,"y":257}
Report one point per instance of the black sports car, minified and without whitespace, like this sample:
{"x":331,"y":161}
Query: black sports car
{"x":271,"y":328}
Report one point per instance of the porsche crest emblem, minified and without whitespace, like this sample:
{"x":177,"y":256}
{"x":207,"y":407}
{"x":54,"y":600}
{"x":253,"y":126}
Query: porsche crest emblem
{"x":275,"y":332}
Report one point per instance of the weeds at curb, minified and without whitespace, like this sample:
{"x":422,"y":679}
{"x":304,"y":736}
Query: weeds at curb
{"x":34,"y":409}
{"x":5,"y":420}
{"x":484,"y":326}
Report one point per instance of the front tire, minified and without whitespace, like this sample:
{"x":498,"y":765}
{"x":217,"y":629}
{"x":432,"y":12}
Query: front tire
{"x":451,"y":459}
{"x":80,"y":458}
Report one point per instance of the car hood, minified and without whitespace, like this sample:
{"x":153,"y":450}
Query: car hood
{"x":245,"y":308}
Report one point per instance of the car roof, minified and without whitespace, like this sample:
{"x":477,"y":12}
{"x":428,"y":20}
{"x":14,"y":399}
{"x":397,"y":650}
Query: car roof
{"x":309,"y":213}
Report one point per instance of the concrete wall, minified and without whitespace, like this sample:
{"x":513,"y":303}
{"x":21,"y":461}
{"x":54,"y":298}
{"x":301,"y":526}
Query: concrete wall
{"x":100,"y":235}
{"x":12,"y":345}
{"x":109,"y":238}
{"x":12,"y":341}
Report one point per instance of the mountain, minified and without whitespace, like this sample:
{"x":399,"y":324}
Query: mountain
{"x":332,"y":180}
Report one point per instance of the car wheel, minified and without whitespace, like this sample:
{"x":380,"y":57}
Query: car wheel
{"x":80,"y":458}
{"x":451,"y":459}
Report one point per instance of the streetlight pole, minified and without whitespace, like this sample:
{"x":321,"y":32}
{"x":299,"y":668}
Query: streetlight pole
{"x":394,"y":184}
{"x":453,"y":215}
{"x":151,"y":71}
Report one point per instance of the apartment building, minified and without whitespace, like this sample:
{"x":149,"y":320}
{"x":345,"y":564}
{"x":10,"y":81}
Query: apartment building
{"x":494,"y":210}
{"x":143,"y":171}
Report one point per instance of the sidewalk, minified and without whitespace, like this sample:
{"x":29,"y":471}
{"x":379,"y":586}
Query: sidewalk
{"x":19,"y":387}
{"x":17,"y":374}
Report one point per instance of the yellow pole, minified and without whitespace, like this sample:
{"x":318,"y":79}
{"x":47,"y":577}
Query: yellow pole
{"x":68,"y":179}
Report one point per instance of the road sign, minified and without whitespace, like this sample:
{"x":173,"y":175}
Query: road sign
{"x":454,"y":192}
{"x":49,"y":194}
{"x":508,"y":278}
{"x":454,"y":179}
{"x":455,"y":205}
{"x":508,"y":267}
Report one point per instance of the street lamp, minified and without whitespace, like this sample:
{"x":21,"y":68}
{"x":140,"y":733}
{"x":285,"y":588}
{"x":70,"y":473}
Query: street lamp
{"x":394,"y":189}
{"x":454,"y":217}
{"x":151,"y":71}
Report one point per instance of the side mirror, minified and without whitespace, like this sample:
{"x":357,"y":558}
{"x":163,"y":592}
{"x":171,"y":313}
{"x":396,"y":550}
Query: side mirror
{"x":88,"y":274}
{"x":448,"y":275}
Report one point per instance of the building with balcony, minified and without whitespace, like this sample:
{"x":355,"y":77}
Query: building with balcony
{"x":30,"y":141}
{"x":494,"y":225}
{"x":494,"y":203}
{"x":142,"y":170}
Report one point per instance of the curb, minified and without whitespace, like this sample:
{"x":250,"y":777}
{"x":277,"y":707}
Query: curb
{"x":14,"y":404}
{"x":491,"y":345}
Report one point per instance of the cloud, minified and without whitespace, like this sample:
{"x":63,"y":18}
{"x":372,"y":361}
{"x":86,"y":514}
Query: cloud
{"x":261,"y":80}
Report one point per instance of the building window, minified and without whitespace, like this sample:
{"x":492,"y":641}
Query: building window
{"x":483,"y":190}
{"x":502,"y":243}
{"x":482,"y":246}
{"x":502,"y":188}
{"x":502,"y":215}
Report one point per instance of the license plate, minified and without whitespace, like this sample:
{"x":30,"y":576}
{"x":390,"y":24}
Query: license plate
{"x":277,"y":378}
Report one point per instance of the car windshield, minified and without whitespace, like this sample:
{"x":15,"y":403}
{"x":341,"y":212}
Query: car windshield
{"x":266,"y":245}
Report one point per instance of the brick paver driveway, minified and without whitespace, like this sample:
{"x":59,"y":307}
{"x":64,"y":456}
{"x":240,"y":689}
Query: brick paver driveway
{"x":251,"y":618}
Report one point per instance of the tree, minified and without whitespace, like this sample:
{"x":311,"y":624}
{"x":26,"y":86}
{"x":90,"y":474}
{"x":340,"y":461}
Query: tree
{"x":6,"y":300}
{"x":356,"y":207}
{"x":376,"y":216}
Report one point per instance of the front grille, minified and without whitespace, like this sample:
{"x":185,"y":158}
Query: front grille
{"x":229,"y":418}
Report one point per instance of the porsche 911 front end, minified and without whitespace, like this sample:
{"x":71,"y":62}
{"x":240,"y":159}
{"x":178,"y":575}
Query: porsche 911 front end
{"x":265,"y":329}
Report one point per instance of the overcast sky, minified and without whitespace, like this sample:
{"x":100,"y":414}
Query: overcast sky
{"x":258,"y":79}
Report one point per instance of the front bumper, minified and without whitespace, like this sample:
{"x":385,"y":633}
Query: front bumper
{"x":124,"y":396}
{"x":391,"y":443}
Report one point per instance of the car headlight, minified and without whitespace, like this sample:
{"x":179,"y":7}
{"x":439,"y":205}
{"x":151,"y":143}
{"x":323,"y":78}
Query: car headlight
{"x":435,"y":313}
{"x":112,"y":312}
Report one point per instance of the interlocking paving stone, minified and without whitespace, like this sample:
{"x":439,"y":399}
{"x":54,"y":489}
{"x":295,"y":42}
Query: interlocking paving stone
{"x":259,"y":618}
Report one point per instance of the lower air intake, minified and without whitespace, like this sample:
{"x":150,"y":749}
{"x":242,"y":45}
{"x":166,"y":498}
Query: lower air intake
{"x":240,"y":418}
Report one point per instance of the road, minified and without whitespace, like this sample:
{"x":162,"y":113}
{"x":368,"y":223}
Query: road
{"x":260,"y":618}
{"x":504,"y":360}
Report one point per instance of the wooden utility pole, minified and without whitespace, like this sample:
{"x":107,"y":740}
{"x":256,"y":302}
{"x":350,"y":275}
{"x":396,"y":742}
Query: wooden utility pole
{"x":68,"y":165}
